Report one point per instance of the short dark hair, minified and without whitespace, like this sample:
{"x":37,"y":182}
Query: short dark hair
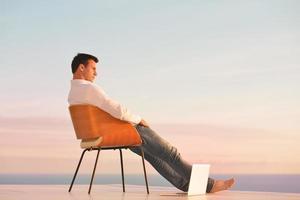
{"x":82,"y":58}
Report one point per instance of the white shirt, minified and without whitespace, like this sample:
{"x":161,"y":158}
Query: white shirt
{"x":86,"y":92}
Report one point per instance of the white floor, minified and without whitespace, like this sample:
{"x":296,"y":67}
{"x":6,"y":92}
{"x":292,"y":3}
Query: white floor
{"x":114,"y":192}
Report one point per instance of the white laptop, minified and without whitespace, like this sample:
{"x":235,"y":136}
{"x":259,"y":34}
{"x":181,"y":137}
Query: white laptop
{"x":198,"y":181}
{"x":199,"y":178}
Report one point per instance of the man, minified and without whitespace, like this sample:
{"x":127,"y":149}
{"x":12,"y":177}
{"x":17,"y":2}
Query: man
{"x":159,"y":153}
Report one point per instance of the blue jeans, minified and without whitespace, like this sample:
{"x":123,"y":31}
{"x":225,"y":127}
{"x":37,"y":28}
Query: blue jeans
{"x":166,"y":159}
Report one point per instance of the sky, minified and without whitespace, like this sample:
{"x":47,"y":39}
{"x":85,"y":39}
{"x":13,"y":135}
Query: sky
{"x":217,"y":79}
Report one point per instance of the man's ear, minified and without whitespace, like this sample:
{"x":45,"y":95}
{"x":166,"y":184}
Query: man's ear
{"x":81,"y":67}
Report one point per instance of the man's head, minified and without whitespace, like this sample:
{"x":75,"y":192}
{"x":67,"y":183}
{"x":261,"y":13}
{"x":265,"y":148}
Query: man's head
{"x":84,"y":67}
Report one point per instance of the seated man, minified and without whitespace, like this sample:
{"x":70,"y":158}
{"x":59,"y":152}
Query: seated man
{"x":159,"y":153}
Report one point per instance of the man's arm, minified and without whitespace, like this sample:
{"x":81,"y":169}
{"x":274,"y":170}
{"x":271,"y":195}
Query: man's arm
{"x":113,"y":107}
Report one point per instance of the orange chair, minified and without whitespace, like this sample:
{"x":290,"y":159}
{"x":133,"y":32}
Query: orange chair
{"x":98,"y":130}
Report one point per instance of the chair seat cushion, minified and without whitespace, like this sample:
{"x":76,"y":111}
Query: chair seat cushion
{"x":113,"y":140}
{"x":90,"y":143}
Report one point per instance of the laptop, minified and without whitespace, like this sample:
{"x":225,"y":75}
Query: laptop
{"x":198,"y":181}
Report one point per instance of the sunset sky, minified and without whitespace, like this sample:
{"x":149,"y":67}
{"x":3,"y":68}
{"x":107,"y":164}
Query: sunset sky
{"x":218,"y":79}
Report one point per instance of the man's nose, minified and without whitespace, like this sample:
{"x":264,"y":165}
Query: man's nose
{"x":95,"y":73}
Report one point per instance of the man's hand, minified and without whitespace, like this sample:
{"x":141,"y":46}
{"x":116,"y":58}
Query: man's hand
{"x":144,"y":123}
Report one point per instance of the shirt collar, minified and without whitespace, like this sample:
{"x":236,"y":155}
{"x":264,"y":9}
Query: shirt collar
{"x":80,"y":81}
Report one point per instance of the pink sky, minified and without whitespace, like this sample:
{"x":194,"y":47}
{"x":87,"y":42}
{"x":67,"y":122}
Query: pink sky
{"x":49,"y":146}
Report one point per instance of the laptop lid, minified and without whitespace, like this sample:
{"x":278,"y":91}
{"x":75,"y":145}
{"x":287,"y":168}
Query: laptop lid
{"x":199,"y":178}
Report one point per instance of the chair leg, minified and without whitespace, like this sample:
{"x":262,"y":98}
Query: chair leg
{"x":122,"y":169}
{"x":145,"y":174}
{"x":79,"y":163}
{"x":92,"y":178}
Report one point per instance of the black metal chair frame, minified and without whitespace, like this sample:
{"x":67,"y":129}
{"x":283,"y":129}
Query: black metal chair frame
{"x":121,"y":159}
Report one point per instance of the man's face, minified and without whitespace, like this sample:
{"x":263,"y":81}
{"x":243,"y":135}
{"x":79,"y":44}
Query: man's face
{"x":89,"y":71}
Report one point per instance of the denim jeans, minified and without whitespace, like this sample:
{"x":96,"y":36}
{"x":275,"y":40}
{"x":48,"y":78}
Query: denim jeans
{"x":166,"y":159}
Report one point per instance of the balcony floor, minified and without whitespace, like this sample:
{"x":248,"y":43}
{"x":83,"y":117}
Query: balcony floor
{"x":114,"y":192}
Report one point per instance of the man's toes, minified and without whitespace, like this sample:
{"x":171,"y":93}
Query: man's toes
{"x":220,"y":185}
{"x":229,"y":183}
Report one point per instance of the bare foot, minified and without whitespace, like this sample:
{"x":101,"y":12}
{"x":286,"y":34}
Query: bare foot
{"x":220,"y":185}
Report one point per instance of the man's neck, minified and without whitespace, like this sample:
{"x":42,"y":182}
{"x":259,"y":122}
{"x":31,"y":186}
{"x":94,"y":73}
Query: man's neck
{"x":78,"y":76}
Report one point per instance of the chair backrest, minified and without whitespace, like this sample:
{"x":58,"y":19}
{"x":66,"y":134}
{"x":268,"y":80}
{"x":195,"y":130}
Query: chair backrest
{"x":91,"y":122}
